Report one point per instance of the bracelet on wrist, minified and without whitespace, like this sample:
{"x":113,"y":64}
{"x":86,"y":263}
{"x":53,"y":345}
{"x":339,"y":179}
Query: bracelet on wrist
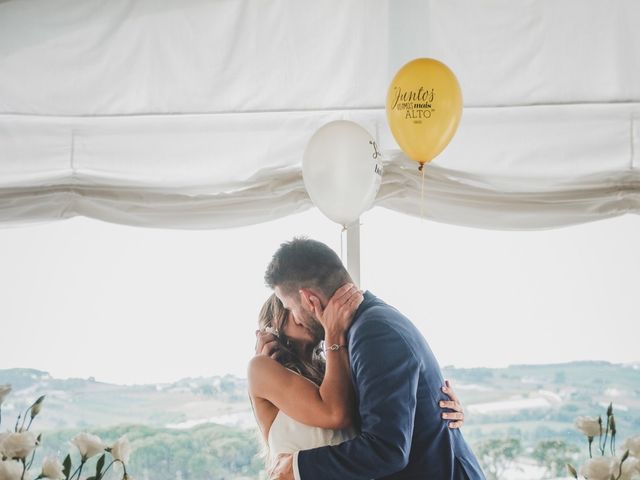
{"x":334,"y":347}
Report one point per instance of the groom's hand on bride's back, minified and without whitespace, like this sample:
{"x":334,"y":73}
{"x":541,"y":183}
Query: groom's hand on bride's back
{"x":283,"y":468}
{"x":457,"y":415}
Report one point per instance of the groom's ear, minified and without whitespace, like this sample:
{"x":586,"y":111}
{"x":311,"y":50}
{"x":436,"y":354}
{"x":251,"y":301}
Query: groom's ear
{"x":310,"y":300}
{"x":304,"y":298}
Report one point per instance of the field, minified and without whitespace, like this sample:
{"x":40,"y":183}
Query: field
{"x":203,"y":428}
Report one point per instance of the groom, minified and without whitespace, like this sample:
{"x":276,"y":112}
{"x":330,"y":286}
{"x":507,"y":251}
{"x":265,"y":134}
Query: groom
{"x":396,"y":378}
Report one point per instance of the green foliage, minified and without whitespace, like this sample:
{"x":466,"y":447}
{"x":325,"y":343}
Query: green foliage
{"x":497,"y":455}
{"x":207,"y":451}
{"x":215,"y":452}
{"x":100,"y":465}
{"x":554,"y":455}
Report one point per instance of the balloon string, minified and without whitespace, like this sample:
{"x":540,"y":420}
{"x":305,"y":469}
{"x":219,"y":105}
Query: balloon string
{"x":422,"y":192}
{"x":344,"y":229}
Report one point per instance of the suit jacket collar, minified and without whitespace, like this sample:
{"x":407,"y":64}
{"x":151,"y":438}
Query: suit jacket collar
{"x":369,"y":300}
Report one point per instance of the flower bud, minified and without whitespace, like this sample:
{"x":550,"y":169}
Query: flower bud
{"x":37,"y":406}
{"x":612,"y":426}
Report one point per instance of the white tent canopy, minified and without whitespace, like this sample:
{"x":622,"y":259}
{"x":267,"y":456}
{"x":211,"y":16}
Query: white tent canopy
{"x":195,"y":113}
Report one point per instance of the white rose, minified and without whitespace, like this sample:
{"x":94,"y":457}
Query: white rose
{"x":633,"y":445}
{"x":12,"y":470}
{"x":88,"y":444}
{"x":121,"y":450}
{"x":4,"y":391}
{"x":52,"y":468}
{"x":3,"y":436}
{"x":629,"y":468}
{"x":18,"y":445}
{"x":599,"y":468}
{"x":588,"y":425}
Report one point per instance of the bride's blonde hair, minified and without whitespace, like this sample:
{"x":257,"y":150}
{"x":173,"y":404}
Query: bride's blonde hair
{"x":272,"y":318}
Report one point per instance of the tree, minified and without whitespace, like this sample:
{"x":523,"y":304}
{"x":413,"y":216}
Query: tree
{"x":554,"y":455}
{"x":497,"y":455}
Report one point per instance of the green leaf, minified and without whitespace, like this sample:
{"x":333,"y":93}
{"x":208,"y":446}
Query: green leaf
{"x":67,"y":467}
{"x":99,"y":465}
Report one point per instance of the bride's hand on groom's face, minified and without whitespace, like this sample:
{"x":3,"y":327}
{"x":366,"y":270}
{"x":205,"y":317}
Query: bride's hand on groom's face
{"x":337,"y":315}
{"x":267,"y":344}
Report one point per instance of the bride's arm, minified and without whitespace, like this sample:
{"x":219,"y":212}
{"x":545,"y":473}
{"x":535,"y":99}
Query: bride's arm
{"x":332,"y":404}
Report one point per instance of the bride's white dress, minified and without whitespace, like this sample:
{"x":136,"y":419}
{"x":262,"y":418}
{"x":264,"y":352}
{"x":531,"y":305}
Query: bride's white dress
{"x":287,"y":435}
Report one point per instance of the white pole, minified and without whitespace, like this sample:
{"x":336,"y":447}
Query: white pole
{"x":353,"y":251}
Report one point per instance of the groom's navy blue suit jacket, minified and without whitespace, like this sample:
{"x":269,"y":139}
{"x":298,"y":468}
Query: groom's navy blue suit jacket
{"x":398,"y":388}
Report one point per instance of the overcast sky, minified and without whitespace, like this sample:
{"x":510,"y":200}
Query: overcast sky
{"x":84,"y":298}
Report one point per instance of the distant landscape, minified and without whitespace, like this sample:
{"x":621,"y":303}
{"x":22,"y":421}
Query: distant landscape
{"x":519,"y":419}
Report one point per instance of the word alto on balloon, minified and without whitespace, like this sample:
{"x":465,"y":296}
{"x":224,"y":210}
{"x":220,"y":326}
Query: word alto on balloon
{"x":424,"y":106}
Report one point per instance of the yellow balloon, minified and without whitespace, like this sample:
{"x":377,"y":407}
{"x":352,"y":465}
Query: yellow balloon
{"x":424,"y":105}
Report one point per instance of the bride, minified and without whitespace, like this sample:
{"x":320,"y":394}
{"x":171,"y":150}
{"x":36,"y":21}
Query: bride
{"x":302,"y":396}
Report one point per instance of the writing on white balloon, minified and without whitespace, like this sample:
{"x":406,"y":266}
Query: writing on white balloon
{"x":342,"y":170}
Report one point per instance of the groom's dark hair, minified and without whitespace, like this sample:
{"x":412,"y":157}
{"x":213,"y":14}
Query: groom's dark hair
{"x":305,"y":263}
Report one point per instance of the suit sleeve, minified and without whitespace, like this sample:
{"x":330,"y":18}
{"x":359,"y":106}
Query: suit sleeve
{"x":386,"y":374}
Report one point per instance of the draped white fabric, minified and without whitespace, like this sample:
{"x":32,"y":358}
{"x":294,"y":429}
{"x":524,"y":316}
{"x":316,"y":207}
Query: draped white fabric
{"x":195,"y":113}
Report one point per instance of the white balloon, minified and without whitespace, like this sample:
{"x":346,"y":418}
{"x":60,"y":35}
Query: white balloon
{"x":342,"y":170}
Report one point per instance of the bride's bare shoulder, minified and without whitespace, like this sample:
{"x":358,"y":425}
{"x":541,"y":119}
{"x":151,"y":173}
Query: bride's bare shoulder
{"x":262,"y":370}
{"x":262,"y":364}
